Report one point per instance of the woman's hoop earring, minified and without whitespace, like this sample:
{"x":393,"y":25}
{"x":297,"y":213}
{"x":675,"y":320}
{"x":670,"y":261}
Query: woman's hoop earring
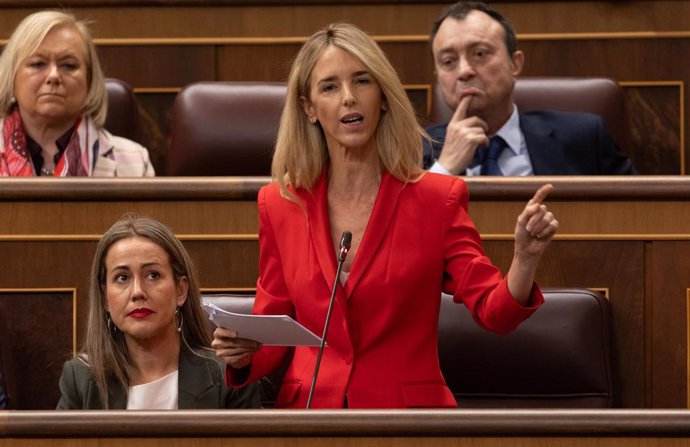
{"x":179,"y":314}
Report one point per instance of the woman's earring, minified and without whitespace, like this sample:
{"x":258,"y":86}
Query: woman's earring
{"x":13,"y":100}
{"x":179,"y":325}
{"x":112,"y":329}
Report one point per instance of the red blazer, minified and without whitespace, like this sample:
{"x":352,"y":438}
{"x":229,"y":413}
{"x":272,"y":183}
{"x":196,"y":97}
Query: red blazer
{"x":382,"y":349}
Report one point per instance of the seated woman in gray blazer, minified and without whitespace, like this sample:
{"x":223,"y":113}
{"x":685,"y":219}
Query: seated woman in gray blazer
{"x":146,"y":344}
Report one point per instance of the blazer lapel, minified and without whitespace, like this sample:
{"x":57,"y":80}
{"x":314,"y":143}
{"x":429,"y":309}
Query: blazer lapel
{"x":117,"y":398}
{"x":320,"y":235}
{"x":545,"y":152}
{"x":195,"y":383}
{"x":320,"y":228}
{"x":377,"y":228}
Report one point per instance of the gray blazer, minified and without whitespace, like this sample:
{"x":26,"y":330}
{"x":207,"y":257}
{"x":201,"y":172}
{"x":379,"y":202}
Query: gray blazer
{"x":200,"y":385}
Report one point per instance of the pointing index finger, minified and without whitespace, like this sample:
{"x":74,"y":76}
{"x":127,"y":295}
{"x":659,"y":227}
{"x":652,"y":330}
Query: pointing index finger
{"x":461,"y":110}
{"x":541,"y":194}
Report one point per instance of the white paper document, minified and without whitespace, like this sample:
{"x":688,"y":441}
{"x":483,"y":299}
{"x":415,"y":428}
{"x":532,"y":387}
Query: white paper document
{"x":270,"y":330}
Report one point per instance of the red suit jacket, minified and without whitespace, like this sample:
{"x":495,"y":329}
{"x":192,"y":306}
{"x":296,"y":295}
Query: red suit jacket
{"x":382,"y":349}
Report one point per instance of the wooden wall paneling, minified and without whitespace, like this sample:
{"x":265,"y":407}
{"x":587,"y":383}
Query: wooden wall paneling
{"x":155,"y":112}
{"x":648,"y":323}
{"x":420,"y":97}
{"x":617,"y":266}
{"x":204,"y":18}
{"x":225,"y":264}
{"x":599,"y":16}
{"x":281,"y":20}
{"x":77,"y":220}
{"x":50,"y":264}
{"x":670,"y":279}
{"x":687,"y":341}
{"x":655,"y":117}
{"x":411,"y":58}
{"x":170,"y":66}
{"x":257,"y":62}
{"x":581,"y":221}
{"x":41,"y":322}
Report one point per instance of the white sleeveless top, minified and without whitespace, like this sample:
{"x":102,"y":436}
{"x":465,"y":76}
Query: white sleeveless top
{"x":161,"y":394}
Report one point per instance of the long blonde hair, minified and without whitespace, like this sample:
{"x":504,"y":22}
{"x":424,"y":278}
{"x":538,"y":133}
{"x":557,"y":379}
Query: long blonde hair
{"x":27,"y":37}
{"x":301,"y":151}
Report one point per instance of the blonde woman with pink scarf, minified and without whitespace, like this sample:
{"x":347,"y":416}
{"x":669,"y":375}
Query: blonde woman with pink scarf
{"x":53,"y":105}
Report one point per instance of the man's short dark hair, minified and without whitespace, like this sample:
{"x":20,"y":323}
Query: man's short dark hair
{"x":459,"y":11}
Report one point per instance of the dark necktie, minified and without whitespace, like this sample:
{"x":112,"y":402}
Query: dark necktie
{"x":488,"y":156}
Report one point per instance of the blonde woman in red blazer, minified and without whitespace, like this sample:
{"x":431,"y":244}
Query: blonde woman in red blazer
{"x":347,"y":159}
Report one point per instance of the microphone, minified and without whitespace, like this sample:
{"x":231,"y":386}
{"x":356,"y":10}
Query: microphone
{"x":345,"y":243}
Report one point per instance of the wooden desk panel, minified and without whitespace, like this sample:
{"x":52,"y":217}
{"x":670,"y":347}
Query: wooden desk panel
{"x":346,"y":428}
{"x":627,"y":236}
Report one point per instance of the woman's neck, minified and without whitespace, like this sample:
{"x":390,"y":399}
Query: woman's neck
{"x":45,"y":133}
{"x":354,"y":174}
{"x":154,"y":358}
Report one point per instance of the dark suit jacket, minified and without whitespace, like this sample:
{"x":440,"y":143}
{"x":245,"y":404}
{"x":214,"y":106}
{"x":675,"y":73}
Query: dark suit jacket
{"x":200,"y":385}
{"x":383,"y":335}
{"x":558,"y":143}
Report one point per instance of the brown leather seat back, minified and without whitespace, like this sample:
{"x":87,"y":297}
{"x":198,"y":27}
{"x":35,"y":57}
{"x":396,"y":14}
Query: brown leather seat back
{"x":560,"y":357}
{"x":123,"y":113}
{"x":600,"y":96}
{"x":225,"y":128}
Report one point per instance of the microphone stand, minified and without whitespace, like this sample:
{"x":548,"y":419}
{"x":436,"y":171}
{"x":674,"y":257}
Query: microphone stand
{"x":345,"y":242}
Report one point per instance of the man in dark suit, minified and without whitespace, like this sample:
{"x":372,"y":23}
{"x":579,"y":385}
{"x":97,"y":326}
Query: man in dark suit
{"x":476,"y":64}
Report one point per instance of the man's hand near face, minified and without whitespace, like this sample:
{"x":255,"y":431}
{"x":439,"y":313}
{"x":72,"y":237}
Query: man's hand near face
{"x":463,"y":136}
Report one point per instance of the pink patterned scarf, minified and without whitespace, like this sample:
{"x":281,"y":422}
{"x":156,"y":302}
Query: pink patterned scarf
{"x":15,"y":160}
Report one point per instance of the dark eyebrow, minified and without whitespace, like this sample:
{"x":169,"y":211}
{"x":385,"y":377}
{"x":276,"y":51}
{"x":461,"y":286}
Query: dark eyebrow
{"x":119,"y":267}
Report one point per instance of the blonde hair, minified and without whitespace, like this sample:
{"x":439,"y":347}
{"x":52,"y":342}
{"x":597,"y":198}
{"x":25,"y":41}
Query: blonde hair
{"x":105,"y":350}
{"x":28,"y":36}
{"x":301,"y":150}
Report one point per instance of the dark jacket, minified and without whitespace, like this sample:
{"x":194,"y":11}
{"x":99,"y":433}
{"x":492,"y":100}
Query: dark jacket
{"x":558,"y":143}
{"x":200,"y":385}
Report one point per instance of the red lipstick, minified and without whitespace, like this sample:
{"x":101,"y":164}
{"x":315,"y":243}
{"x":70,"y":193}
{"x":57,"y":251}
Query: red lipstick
{"x":140,"y":313}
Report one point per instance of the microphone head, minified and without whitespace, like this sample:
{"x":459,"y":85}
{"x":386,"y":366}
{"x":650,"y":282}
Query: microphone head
{"x":346,"y":240}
